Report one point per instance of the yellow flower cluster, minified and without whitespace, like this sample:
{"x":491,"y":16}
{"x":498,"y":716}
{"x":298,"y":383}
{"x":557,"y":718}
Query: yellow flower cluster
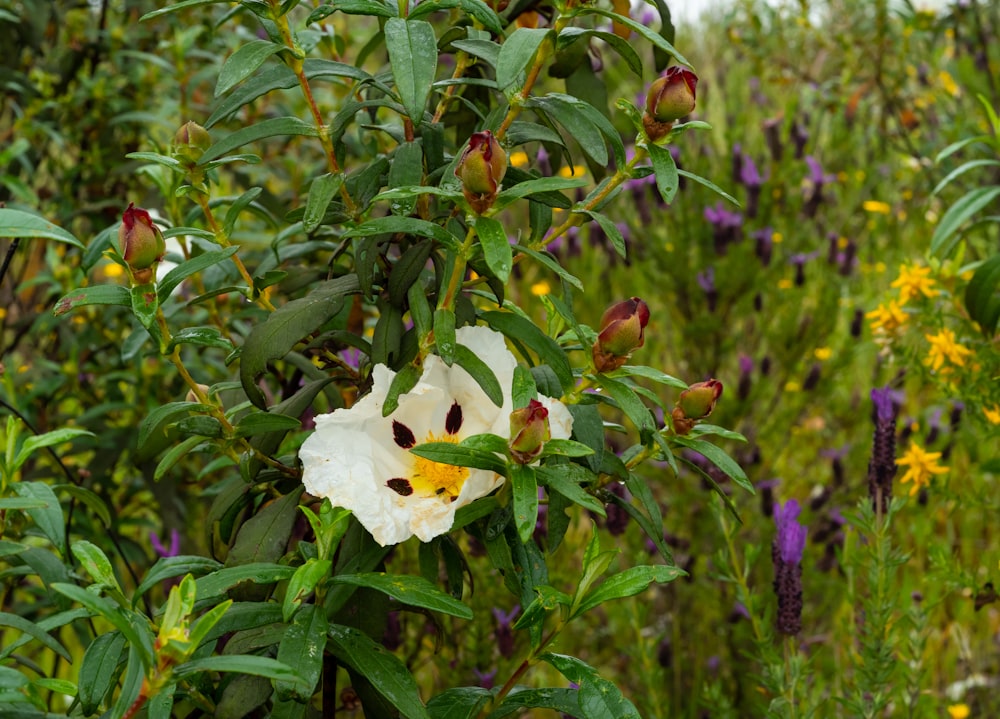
{"x":913,"y":281}
{"x":921,"y":466}
{"x":945,"y":349}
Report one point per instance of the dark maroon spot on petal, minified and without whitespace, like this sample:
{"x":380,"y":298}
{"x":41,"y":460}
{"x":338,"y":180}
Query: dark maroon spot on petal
{"x":453,"y":422}
{"x":400,"y":486}
{"x":439,"y":491}
{"x":403,"y":435}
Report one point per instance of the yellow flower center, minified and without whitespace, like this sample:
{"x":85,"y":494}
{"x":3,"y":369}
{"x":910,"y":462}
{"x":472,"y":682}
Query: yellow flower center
{"x":431,"y":478}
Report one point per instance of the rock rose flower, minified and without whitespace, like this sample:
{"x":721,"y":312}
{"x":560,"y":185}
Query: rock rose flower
{"x":361,"y":461}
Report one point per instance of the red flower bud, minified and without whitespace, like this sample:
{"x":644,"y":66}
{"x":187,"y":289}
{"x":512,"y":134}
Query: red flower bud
{"x":141,"y":242}
{"x":481,"y":170}
{"x":695,"y":403}
{"x":621,"y":333}
{"x":670,"y":97}
{"x":529,"y":431}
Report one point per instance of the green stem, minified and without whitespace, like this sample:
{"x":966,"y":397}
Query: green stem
{"x":447,"y":299}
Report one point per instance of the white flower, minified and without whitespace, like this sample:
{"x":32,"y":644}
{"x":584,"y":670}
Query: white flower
{"x":361,"y":461}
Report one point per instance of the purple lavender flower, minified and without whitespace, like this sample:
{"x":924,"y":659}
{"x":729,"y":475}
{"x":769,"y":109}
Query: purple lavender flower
{"x":882,"y":465}
{"x":351,"y":357}
{"x":727,"y":227}
{"x":706,"y":281}
{"x":751,"y":179}
{"x":836,"y":456}
{"x":175,"y":544}
{"x":764,"y":247}
{"x":486,"y":679}
{"x":786,"y":554}
{"x":800,"y":136}
{"x":617,"y":518}
{"x":745,"y":381}
{"x":505,"y":630}
{"x":818,"y":179}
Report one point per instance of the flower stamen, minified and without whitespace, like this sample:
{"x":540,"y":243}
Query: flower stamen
{"x":431,"y":478}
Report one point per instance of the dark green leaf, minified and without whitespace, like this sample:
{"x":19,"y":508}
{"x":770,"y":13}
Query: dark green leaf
{"x":200,"y":337}
{"x":263,"y":422}
{"x":610,"y":229}
{"x":376,"y":663}
{"x":243,"y":63}
{"x":566,"y":479}
{"x":322,"y":190}
{"x":665,"y":168}
{"x":95,"y":295}
{"x":407,"y":170}
{"x":33,"y":630}
{"x":16,"y":223}
{"x":217,"y":583}
{"x":645,"y":32}
{"x":580,"y":125}
{"x":189,"y":267}
{"x":174,"y":455}
{"x":459,"y":456}
{"x":982,"y":296}
{"x":302,"y":649}
{"x":458,"y":703}
{"x":242,"y":664}
{"x":496,"y":247}
{"x":277,"y":126}
{"x":414,"y":591}
{"x":629,"y":583}
{"x":286,"y":326}
{"x":393,"y":224}
{"x":117,"y":617}
{"x":264,"y":536}
{"x":522,"y":330}
{"x":170,"y":567}
{"x":629,"y":403}
{"x":481,"y":372}
{"x":517,"y":53}
{"x":525,"y":486}
{"x":374,"y":8}
{"x":533,"y":187}
{"x":719,"y":458}
{"x":444,"y":334}
{"x":548,"y":261}
{"x":413,"y":56}
{"x":560,"y":700}
{"x":405,"y":380}
{"x":153,"y":424}
{"x":176,"y":7}
{"x":48,"y":519}
{"x":98,"y":669}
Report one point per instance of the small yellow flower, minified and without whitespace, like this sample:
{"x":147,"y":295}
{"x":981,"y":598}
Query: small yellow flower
{"x":992,"y":414}
{"x":3,"y":313}
{"x":948,"y":83}
{"x":921,"y":466}
{"x":541,"y":288}
{"x":881,"y":208}
{"x":570,"y":172}
{"x":793,"y":386}
{"x":887,"y":318}
{"x":784,"y":284}
{"x":944,"y":348}
{"x":913,"y":281}
{"x":959,"y":711}
{"x":113,"y":270}
{"x":823,"y":353}
{"x":518,"y":158}
{"x":777,"y":238}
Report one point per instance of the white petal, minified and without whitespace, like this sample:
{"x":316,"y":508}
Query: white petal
{"x":560,"y":420}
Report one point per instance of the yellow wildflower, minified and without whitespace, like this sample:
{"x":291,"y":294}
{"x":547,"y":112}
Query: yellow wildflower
{"x":113,"y":270}
{"x":921,"y":466}
{"x":777,"y":238}
{"x":914,"y":280}
{"x":541,"y":288}
{"x":793,"y":386}
{"x":784,"y":284}
{"x":959,"y":711}
{"x":949,"y":84}
{"x":570,"y":172}
{"x":887,"y":318}
{"x":823,"y":353}
{"x":881,"y":208}
{"x":944,"y":347}
{"x":518,"y":158}
{"x":992,"y":414}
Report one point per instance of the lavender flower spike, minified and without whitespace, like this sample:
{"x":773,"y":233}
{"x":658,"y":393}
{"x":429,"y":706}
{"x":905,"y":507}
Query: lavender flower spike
{"x":786,"y":554}
{"x":791,"y":536}
{"x":882,"y":465}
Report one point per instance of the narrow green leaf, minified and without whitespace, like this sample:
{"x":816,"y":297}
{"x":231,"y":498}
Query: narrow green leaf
{"x":48,"y":519}
{"x":48,"y":439}
{"x":496,"y":247}
{"x":611,"y":230}
{"x":201,"y":337}
{"x":413,"y":56}
{"x":190,"y":267}
{"x":99,"y":666}
{"x":552,"y":264}
{"x":516,"y":54}
{"x":153,"y":424}
{"x":388,"y":675}
{"x":961,"y":170}
{"x":566,"y":701}
{"x":96,"y":563}
{"x":629,"y":403}
{"x":580,"y":126}
{"x":302,"y":649}
{"x":34,"y":631}
{"x":459,"y":456}
{"x":243,"y":63}
{"x":95,"y":295}
{"x":523,"y":330}
{"x":144,"y":304}
{"x":17,"y":223}
{"x":241,"y":664}
{"x":982,"y":296}
{"x":719,"y":458}
{"x":444,"y":334}
{"x":645,"y":32}
{"x":302,"y":584}
{"x":263,"y":422}
{"x":667,"y":180}
{"x":629,"y":583}
{"x":945,"y":234}
{"x":525,"y":486}
{"x":322,"y":190}
{"x":405,"y":380}
{"x":481,"y":372}
{"x":264,"y":537}
{"x":170,"y":567}
{"x":407,"y":170}
{"x":177,"y":7}
{"x":410,"y":590}
{"x":458,"y":703}
{"x":117,"y":617}
{"x":278,"y":126}
{"x":217,"y":583}
{"x":710,"y":185}
{"x":174,"y":455}
{"x":393,"y":224}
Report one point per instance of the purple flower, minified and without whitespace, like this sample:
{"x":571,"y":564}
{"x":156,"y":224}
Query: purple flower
{"x":706,"y":281}
{"x":351,"y":356}
{"x":175,"y":544}
{"x":882,"y":465}
{"x":791,"y":536}
{"x":486,"y":679}
{"x":505,"y":630}
{"x":816,"y":173}
{"x":727,"y":227}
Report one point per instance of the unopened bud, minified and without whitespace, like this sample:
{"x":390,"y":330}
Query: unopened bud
{"x":695,"y":403}
{"x":190,"y":142}
{"x":193,"y":397}
{"x":670,"y":97}
{"x":141,"y":243}
{"x":529,"y":431}
{"x":481,"y":170}
{"x":622,"y":332}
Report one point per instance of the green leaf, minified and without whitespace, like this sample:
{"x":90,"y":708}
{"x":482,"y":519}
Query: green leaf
{"x":48,"y":439}
{"x":302,"y":649}
{"x":22,"y":503}
{"x":517,"y":53}
{"x":241,"y":664}
{"x":566,"y":479}
{"x":481,"y":372}
{"x":533,"y":187}
{"x":629,"y":583}
{"x":407,"y":169}
{"x":620,"y":45}
{"x":611,"y":230}
{"x":945,"y":237}
{"x":629,"y":403}
{"x":33,"y":630}
{"x":243,"y":63}
{"x":201,"y":337}
{"x":190,"y":267}
{"x":170,"y":567}
{"x":523,"y":330}
{"x":163,"y":415}
{"x":278,"y":126}
{"x":645,"y":32}
{"x":549,"y":262}
{"x":217,"y":583}
{"x":667,"y":180}
{"x":95,"y":295}
{"x":598,"y":697}
{"x":413,"y":56}
{"x":393,"y":224}
{"x":476,"y":8}
{"x":982,"y":296}
{"x":719,"y":458}
{"x":458,"y":702}
{"x":581,"y":126}
{"x":710,"y":185}
{"x":174,"y":455}
{"x":496,"y":247}
{"x":144,"y":304}
{"x":302,"y":584}
{"x":48,"y":519}
{"x":565,"y":701}
{"x":405,"y":380}
{"x":238,"y":205}
{"x":414,"y":591}
{"x":98,"y":669}
{"x":322,"y":190}
{"x":525,"y":493}
{"x":961,"y":170}
{"x":96,"y":563}
{"x":263,"y":422}
{"x":286,"y":326}
{"x":24,"y":225}
{"x":118,"y":618}
{"x":459,"y":456}
{"x":444,"y":334}
{"x":388,"y":675}
{"x":648,"y":373}
{"x":177,"y":7}
{"x":264,"y":537}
